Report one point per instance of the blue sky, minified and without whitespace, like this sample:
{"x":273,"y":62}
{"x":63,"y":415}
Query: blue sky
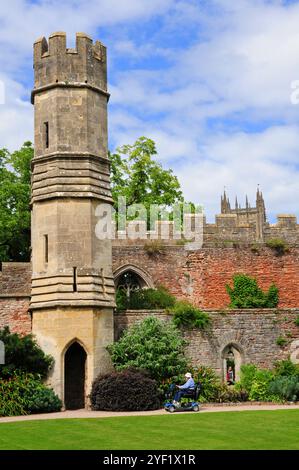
{"x":208,"y":80}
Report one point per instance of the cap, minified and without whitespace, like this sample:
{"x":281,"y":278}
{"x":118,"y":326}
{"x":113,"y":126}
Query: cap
{"x":188,"y":375}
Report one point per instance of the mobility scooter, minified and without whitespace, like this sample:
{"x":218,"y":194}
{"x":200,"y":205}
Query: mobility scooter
{"x":191,"y":405}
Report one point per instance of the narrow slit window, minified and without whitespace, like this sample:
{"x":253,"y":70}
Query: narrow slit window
{"x":74,"y":279}
{"x":46,"y":134}
{"x":46,"y":248}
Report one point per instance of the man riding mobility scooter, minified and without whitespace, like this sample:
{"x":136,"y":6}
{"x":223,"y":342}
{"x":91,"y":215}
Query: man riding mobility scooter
{"x":190,"y":390}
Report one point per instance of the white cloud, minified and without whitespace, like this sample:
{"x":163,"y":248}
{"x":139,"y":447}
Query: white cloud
{"x":16,"y":115}
{"x":218,"y":109}
{"x":23,"y":21}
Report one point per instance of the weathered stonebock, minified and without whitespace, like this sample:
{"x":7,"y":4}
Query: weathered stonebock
{"x":251,"y":334}
{"x":72,"y":295}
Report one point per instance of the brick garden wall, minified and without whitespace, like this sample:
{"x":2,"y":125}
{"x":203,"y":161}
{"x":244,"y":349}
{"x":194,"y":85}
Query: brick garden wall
{"x":15,"y":285}
{"x":254,"y":332}
{"x":201,"y":276}
{"x":14,"y":313}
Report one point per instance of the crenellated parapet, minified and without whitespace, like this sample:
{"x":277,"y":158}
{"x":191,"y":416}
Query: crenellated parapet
{"x":228,"y":228}
{"x":55,"y":65}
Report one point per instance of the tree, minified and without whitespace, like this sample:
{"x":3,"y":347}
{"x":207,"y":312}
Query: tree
{"x":134,"y":174}
{"x":154,"y":345}
{"x":15,"y":177}
{"x":245,"y":293}
{"x":142,"y":180}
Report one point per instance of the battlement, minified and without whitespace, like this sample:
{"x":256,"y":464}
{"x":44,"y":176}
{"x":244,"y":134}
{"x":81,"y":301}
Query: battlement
{"x":56,"y":65}
{"x":227,"y":228}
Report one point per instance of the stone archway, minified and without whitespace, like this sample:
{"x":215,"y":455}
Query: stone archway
{"x":129,"y":278}
{"x":294,"y":350}
{"x":231,"y":355}
{"x":74,"y":376}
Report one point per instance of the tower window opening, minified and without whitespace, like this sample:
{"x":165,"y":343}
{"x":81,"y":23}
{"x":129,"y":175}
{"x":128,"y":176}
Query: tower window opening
{"x":46,"y":248}
{"x":46,"y":134}
{"x":74,"y":279}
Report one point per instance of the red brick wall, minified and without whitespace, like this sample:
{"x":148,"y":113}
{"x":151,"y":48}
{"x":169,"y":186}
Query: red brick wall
{"x":14,"y":313}
{"x":201,"y":276}
{"x":211,"y":269}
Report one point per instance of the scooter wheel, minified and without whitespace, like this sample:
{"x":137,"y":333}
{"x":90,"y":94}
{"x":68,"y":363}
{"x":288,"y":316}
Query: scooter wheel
{"x":171,"y":409}
{"x":195,"y":408}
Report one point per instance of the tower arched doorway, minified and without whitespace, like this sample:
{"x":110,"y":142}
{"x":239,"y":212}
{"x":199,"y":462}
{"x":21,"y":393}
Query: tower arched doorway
{"x":74,"y":376}
{"x":232,"y":357}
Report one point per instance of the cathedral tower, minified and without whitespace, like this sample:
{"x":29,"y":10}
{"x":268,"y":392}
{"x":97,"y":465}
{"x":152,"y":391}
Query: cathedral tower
{"x":72,"y":283}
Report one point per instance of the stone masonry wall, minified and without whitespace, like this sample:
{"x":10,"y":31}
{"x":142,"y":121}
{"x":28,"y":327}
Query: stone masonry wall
{"x":15,"y":278}
{"x":253,"y":332}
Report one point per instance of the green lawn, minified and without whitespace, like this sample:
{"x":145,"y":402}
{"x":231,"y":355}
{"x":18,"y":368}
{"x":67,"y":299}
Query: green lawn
{"x":277,"y":429}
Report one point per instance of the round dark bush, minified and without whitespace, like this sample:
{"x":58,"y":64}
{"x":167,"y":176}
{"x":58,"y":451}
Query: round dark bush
{"x":127,"y":390}
{"x":44,"y":400}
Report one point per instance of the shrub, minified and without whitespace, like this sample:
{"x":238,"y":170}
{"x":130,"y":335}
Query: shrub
{"x":23,"y":353}
{"x":286,"y":388}
{"x":186,"y":315}
{"x":255,"y":248}
{"x":231,"y":394}
{"x":154,"y":248}
{"x":247,"y":375}
{"x":24,"y":393}
{"x":260,"y":386}
{"x":279,"y":246}
{"x":286,"y":368}
{"x":210,"y":383}
{"x":128,"y":390}
{"x":281,"y":341}
{"x":43,"y":400}
{"x":297,"y":321}
{"x":245,"y":293}
{"x":121,"y":299}
{"x":154,"y":345}
{"x":150,"y":299}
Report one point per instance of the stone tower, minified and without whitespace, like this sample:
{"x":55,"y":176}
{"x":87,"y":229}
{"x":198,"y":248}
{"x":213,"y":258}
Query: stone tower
{"x":72,"y":283}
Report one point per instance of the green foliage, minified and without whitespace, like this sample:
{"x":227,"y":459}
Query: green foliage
{"x":285,"y":387}
{"x":23,"y":353}
{"x":248,"y":372}
{"x":255,"y":248}
{"x":24,"y":393}
{"x":127,"y":390}
{"x":43,"y":400}
{"x":154,"y":248}
{"x":245,"y":293}
{"x":260,"y":386}
{"x":297,"y":321}
{"x":145,"y":299}
{"x":279,"y":384}
{"x":14,"y":203}
{"x":188,"y":316}
{"x":279,"y":246}
{"x":286,"y":368}
{"x":138,"y":177}
{"x":210,"y":383}
{"x":281,"y":341}
{"x":121,"y":299}
{"x":153,"y":345}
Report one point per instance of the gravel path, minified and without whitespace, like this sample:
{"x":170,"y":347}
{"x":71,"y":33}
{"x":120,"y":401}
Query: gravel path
{"x":109,"y":414}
